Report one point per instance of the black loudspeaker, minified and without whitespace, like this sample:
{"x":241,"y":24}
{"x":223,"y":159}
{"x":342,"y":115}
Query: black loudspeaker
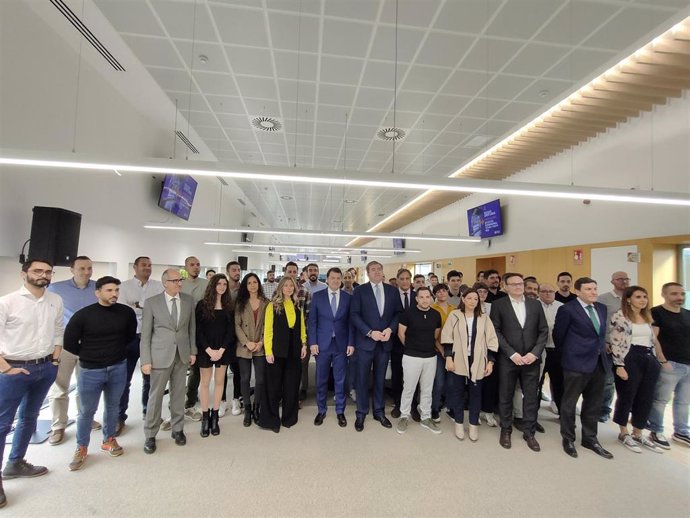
{"x":243,"y":262}
{"x":54,"y":235}
{"x":247,"y":237}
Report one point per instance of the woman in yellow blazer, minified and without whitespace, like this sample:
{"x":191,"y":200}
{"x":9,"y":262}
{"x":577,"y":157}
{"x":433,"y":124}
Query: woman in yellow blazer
{"x":285,"y":342}
{"x":470,"y":346}
{"x":250,"y":308}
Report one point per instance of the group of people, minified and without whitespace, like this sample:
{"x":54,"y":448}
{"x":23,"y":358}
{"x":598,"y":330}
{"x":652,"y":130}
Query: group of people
{"x":486,"y":348}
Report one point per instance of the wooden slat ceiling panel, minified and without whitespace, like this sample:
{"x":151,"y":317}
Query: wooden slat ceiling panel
{"x":659,"y":71}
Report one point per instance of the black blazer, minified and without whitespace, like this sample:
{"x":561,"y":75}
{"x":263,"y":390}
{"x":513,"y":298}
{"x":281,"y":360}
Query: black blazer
{"x":512,"y":338}
{"x":574,"y":335}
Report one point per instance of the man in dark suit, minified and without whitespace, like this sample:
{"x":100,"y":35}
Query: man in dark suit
{"x":579,"y":335}
{"x":374,"y":313}
{"x":522,"y":333}
{"x":331,"y":342}
{"x":168,"y":347}
{"x":407,"y":300}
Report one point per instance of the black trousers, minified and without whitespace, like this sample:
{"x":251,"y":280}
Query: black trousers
{"x":193,"y":381}
{"x":552,"y":367}
{"x":236,"y":380}
{"x":283,"y":377}
{"x":490,"y":391}
{"x":396,"y":373}
{"x":636,"y":394}
{"x":245,"y":364}
{"x":591,"y":387}
{"x":132,"y":360}
{"x":509,"y":374}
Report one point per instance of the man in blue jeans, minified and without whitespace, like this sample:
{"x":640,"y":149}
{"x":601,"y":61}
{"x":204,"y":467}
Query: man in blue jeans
{"x":98,"y":334}
{"x":672,"y":327}
{"x":31,"y":328}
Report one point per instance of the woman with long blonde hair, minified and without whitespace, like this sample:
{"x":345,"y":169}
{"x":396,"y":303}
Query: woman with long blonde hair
{"x":285,"y":344}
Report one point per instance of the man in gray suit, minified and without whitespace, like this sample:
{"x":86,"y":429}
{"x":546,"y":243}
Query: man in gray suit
{"x":168,"y":347}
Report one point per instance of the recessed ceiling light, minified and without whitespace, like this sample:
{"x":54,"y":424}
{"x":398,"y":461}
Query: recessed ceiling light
{"x":285,"y":197}
{"x":391,"y":134}
{"x":267,"y":123}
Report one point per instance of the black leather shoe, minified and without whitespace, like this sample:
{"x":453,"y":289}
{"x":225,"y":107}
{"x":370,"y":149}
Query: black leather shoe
{"x":150,"y":445}
{"x":532,"y":442}
{"x":318,"y":420}
{"x":359,"y":424}
{"x":384,"y":421}
{"x":395,"y":413}
{"x":597,"y":448}
{"x":539,"y":428}
{"x":342,"y":422}
{"x":180,"y":438}
{"x":504,"y":440}
{"x":517,"y":423}
{"x":569,"y":448}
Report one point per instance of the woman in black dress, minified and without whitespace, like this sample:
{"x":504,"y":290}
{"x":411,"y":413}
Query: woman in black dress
{"x":215,"y":340}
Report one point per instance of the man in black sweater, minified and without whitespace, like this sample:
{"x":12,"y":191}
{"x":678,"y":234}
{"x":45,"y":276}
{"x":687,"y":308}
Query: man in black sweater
{"x":99,"y":335}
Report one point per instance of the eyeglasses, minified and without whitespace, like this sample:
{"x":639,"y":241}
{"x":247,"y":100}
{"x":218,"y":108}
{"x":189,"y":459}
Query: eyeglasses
{"x":40,"y":273}
{"x":176,"y":281}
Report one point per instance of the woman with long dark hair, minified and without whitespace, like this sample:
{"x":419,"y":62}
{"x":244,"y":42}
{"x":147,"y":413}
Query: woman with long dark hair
{"x":250,"y":308}
{"x":215,"y":340}
{"x":470,"y":344}
{"x":632,"y":343}
{"x":285,"y":342}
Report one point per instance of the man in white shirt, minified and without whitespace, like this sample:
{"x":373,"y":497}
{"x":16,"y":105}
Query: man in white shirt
{"x":31,"y":329}
{"x":552,"y":364}
{"x":134,"y":292}
{"x":612,"y":301}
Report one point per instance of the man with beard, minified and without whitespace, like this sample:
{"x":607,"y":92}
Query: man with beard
{"x":312,"y":285}
{"x":196,"y":287}
{"x":233,"y":270}
{"x":531,"y":288}
{"x":564,"y":280}
{"x":493,"y":281}
{"x":270,"y":285}
{"x":31,"y":328}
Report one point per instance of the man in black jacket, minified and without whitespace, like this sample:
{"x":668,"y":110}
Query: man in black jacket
{"x":522,"y":333}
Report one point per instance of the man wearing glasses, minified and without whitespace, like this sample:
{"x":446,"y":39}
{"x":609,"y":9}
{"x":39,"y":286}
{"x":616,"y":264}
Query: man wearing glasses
{"x":522,"y":334}
{"x":31,"y":329}
{"x":168,"y":347}
{"x":612,"y":301}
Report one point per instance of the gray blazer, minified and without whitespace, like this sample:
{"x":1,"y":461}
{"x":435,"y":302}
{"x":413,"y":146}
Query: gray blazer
{"x":159,"y":339}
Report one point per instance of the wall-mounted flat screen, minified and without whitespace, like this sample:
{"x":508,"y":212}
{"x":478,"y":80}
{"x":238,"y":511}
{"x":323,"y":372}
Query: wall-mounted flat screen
{"x":398,"y":244}
{"x":485,"y":220}
{"x":177,"y":195}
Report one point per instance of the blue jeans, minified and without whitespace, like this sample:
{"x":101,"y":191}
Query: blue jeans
{"x":23,"y":395}
{"x":676,"y":382}
{"x":439,"y":391}
{"x":92,"y":382}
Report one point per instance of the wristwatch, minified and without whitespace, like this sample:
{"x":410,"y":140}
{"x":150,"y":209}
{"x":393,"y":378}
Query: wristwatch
{"x":55,"y":361}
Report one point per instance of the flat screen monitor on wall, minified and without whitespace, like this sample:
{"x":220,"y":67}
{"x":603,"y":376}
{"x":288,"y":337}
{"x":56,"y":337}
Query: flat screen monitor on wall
{"x":177,"y":195}
{"x":485,"y":220}
{"x":398,"y":244}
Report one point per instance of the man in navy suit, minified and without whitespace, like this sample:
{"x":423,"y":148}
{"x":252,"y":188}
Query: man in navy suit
{"x":579,"y":333}
{"x":374,"y":313}
{"x":331,"y":339}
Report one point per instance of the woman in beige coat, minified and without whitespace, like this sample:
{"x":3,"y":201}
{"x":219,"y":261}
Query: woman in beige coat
{"x":250,"y":308}
{"x":470,"y":345}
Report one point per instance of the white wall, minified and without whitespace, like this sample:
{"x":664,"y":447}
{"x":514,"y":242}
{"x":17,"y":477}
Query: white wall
{"x":651,"y":151}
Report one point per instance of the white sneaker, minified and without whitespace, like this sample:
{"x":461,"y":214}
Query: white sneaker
{"x":489,"y":418}
{"x":165,"y":425}
{"x":553,"y":407}
{"x":474,"y":432}
{"x":353,"y":395}
{"x":193,"y":414}
{"x":647,"y":443}
{"x":629,"y":443}
{"x":459,"y":431}
{"x":430,"y":425}
{"x":222,"y":408}
{"x":236,"y":409}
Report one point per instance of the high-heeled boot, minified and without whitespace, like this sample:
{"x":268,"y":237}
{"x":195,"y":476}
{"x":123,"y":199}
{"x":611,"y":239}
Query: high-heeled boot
{"x":205,"y":422}
{"x":215,"y":429}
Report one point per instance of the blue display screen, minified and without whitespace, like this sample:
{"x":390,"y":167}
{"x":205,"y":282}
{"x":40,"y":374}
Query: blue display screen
{"x":485,"y":220}
{"x":177,"y":195}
